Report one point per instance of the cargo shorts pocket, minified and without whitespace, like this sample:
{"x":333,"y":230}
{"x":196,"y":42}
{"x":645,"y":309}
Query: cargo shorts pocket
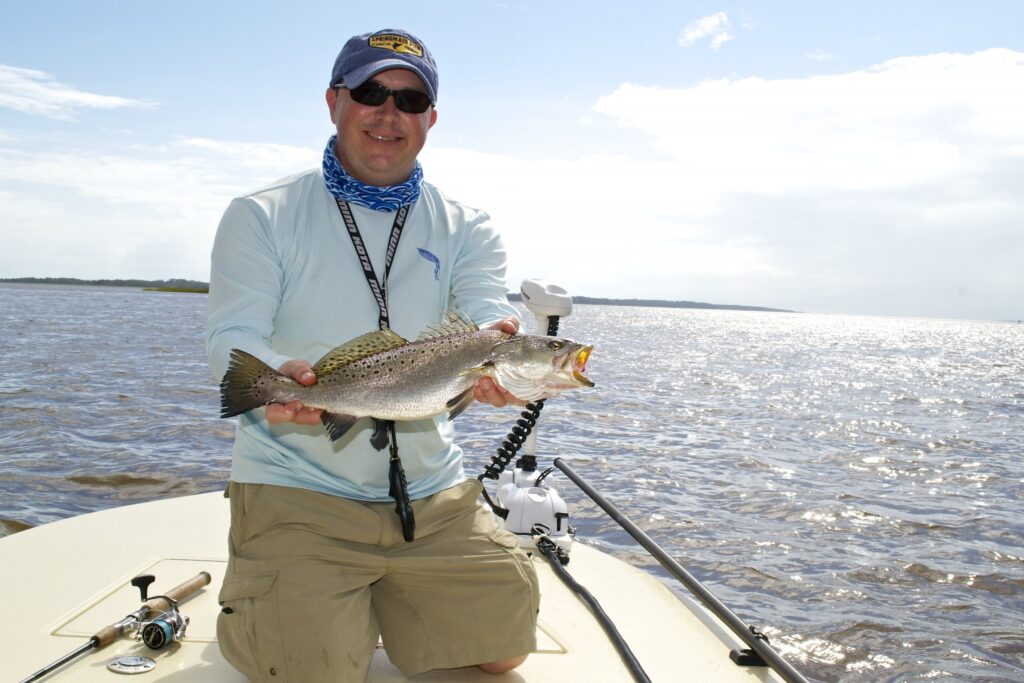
{"x":248,"y":627}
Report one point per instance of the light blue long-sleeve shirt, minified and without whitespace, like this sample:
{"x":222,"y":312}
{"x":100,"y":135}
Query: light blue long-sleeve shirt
{"x":286,"y":283}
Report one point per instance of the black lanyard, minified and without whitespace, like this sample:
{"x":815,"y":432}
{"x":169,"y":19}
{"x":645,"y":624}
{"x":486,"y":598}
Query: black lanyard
{"x":398,"y":489}
{"x":379,"y":288}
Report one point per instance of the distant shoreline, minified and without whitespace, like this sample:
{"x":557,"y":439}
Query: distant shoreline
{"x":661,"y":303}
{"x":194,"y":286}
{"x":174,"y":285}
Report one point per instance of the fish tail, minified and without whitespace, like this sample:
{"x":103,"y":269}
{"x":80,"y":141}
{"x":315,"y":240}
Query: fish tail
{"x":247,"y":384}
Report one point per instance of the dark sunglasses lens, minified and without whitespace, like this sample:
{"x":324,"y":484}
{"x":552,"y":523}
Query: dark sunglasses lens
{"x":412,"y":101}
{"x":370,"y":94}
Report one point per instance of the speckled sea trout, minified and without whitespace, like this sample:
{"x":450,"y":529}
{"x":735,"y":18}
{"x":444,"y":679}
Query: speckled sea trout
{"x":381,"y":375}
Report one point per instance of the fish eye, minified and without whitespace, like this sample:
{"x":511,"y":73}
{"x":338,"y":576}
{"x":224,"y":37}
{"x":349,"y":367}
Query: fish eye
{"x":555,"y":344}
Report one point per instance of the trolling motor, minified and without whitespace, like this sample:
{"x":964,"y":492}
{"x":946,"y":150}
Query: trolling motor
{"x":524,"y":505}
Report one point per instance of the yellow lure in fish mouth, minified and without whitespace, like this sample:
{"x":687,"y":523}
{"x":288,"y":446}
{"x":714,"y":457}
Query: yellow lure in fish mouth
{"x":579,"y":365}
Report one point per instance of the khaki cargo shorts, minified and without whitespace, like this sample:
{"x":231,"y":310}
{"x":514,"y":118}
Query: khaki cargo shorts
{"x":312,"y":579}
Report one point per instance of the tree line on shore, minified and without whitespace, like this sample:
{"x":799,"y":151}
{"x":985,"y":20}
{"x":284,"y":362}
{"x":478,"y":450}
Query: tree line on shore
{"x":181,"y":285}
{"x":175,"y":284}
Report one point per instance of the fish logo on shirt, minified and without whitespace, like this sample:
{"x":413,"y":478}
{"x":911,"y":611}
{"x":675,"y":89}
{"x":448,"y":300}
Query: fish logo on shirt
{"x":433,"y":259}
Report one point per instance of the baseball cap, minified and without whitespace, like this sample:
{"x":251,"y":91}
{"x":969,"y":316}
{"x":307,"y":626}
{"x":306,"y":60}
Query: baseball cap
{"x":366,"y":55}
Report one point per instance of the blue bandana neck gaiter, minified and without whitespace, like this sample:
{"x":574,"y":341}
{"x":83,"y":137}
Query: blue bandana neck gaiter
{"x":345,"y":187}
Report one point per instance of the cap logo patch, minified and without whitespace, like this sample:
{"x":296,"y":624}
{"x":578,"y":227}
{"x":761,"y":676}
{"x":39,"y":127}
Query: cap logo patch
{"x":396,"y":43}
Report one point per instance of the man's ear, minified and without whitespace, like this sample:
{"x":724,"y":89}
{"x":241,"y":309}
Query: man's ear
{"x":332,"y":103}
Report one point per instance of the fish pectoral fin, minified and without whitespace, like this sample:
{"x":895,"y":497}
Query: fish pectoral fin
{"x":460,"y":403}
{"x":478,"y":369}
{"x":337,"y":424}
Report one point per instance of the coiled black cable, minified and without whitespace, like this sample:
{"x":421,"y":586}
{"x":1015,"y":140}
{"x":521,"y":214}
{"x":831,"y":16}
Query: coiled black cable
{"x":508,"y":449}
{"x":514,"y":441}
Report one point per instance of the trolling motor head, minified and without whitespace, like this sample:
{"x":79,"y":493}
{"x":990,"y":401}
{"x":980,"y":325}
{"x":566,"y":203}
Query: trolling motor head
{"x":547,"y":302}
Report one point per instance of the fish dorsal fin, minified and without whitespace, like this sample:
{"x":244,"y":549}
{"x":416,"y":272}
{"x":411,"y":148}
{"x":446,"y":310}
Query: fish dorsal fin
{"x":453,"y":323}
{"x":358,"y":348}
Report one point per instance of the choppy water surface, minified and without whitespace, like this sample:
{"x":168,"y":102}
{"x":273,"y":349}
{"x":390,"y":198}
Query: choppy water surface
{"x":851,"y":485}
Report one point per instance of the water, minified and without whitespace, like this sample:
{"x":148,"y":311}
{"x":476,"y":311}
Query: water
{"x":851,"y":485}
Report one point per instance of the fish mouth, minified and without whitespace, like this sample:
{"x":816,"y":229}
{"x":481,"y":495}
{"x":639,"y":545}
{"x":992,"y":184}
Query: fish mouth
{"x":579,"y":366}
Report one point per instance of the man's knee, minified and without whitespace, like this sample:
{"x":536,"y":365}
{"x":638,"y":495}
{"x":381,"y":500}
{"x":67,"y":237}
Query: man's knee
{"x":502,"y":666}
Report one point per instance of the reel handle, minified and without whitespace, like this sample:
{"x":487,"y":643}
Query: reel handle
{"x":142,"y":583}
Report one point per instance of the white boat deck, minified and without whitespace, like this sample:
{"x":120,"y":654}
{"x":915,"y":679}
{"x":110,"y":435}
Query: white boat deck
{"x":64,"y":581}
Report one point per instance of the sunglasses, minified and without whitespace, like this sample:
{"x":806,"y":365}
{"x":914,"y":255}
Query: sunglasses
{"x":373,"y":94}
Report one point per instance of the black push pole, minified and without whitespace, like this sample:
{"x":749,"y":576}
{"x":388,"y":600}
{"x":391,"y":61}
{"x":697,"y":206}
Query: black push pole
{"x":744,"y":632}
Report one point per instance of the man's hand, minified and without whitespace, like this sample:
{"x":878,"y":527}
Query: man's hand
{"x":486,"y":389}
{"x":294,"y":411}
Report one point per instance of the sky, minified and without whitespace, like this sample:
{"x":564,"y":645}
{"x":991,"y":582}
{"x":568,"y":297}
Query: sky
{"x":830,"y":157}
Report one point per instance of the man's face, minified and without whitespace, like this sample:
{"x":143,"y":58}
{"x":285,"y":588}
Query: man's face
{"x":378,"y":145}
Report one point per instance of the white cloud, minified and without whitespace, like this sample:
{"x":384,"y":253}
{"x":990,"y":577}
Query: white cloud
{"x":820,"y":56}
{"x":188,"y":172}
{"x":714,"y":26}
{"x":909,"y":120}
{"x":259,"y":156}
{"x":905,"y":173}
{"x":895,"y":189}
{"x":36,"y":92}
{"x":600,"y":225}
{"x":887,"y":190}
{"x":81,"y":214}
{"x":719,"y":39}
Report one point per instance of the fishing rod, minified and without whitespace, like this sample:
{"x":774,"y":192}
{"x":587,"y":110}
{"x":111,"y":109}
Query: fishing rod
{"x":168,"y":624}
{"x":760,"y":653}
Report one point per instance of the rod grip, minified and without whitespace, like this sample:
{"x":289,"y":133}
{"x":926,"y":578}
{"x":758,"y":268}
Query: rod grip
{"x":108,"y":634}
{"x":179,"y":593}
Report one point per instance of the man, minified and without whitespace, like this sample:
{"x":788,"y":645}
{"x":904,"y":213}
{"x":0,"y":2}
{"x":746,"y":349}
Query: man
{"x":318,"y":565}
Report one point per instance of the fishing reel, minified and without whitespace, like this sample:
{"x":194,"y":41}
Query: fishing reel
{"x":167,"y":626}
